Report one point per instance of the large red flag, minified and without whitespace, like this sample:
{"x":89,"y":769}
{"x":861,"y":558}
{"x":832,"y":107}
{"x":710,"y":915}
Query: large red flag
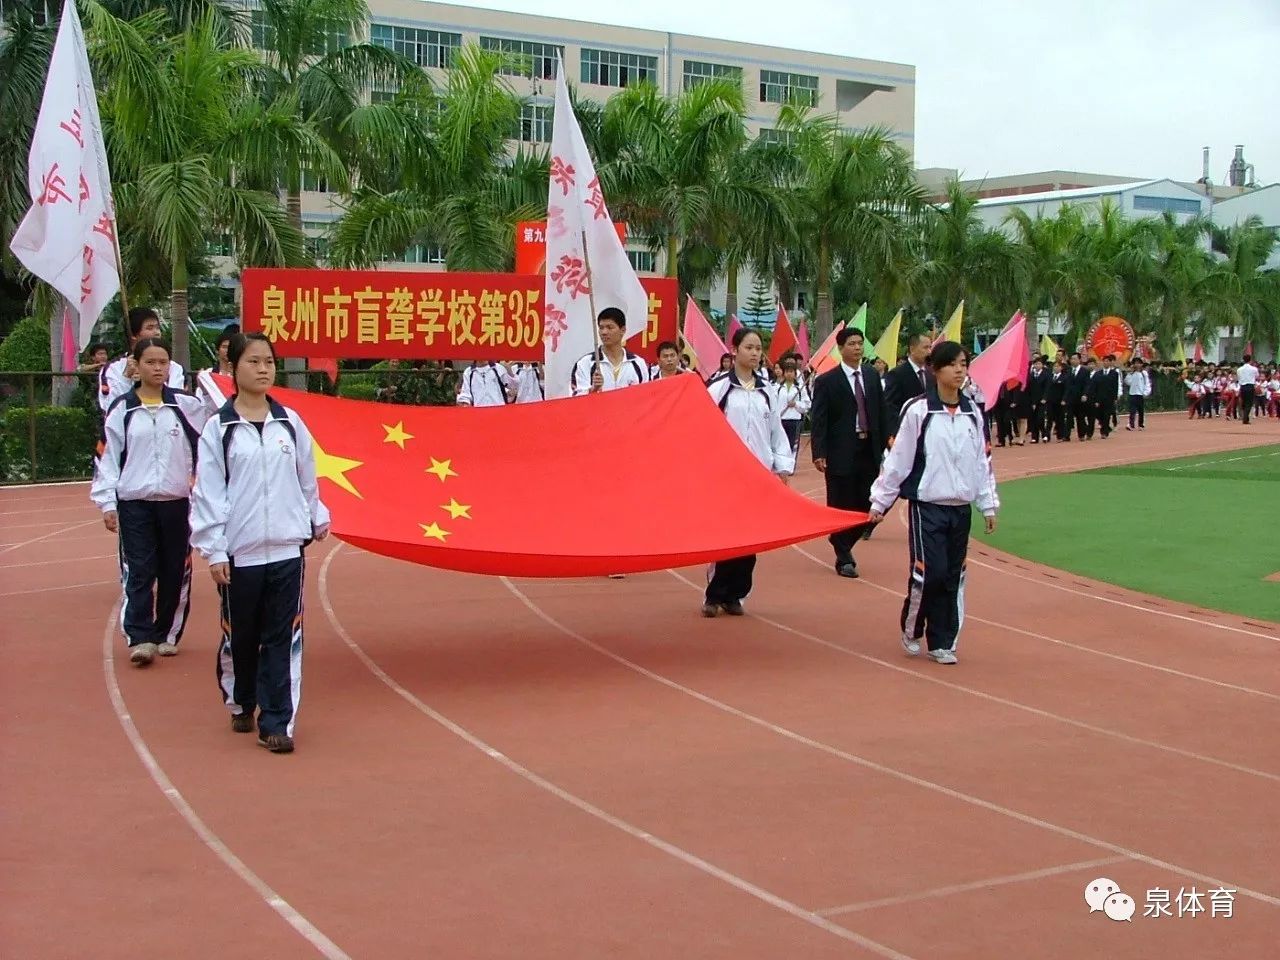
{"x":803,"y":342}
{"x":1006,"y":359}
{"x":565,"y":488}
{"x":784,"y":337}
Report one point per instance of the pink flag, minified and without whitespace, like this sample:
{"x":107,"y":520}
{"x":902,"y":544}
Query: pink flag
{"x":730,"y":329}
{"x":824,"y":357}
{"x":1198,"y":356}
{"x":1006,"y":359}
{"x":67,"y":238}
{"x":69,"y":351}
{"x":802,"y":339}
{"x":702,"y":339}
{"x":587,"y":265}
{"x":1248,"y":348}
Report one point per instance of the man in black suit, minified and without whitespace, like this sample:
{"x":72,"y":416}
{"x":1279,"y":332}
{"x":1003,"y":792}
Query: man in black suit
{"x":850,"y":423}
{"x":1056,"y":394}
{"x":908,"y":379}
{"x":1077,"y":382}
{"x":1038,"y":401}
{"x":1106,"y":391}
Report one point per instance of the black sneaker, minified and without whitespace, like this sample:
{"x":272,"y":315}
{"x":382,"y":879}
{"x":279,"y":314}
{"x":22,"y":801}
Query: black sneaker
{"x":276,"y":742}
{"x":710,"y":610}
{"x":242,"y":722}
{"x":733,"y":608}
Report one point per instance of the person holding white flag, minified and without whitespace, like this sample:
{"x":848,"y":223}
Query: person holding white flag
{"x":588,"y":273}
{"x":68,"y":237}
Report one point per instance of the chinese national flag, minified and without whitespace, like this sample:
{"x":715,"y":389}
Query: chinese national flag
{"x":565,"y":488}
{"x":784,"y":337}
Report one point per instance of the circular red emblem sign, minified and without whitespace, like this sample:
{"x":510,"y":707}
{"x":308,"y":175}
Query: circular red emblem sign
{"x":1111,"y":335}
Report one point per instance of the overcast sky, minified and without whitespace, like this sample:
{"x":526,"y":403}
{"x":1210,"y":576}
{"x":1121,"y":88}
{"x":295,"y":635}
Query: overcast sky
{"x":1124,"y":87}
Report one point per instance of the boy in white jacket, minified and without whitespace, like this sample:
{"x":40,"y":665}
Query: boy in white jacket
{"x":940,"y":464}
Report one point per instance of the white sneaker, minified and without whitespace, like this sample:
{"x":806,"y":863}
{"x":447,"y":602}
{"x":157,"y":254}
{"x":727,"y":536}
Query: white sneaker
{"x":167,"y":650}
{"x":912,"y":647}
{"x":142,"y":653}
{"x":943,"y":656}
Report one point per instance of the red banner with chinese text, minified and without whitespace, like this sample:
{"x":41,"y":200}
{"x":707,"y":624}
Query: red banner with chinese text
{"x":381,"y":314}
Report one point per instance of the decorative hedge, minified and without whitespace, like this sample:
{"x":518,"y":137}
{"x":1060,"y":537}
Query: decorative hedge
{"x":65,"y":441}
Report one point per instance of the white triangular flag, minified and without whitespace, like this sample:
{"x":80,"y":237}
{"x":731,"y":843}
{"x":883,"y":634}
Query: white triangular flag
{"x":587,"y":265}
{"x":67,"y":238}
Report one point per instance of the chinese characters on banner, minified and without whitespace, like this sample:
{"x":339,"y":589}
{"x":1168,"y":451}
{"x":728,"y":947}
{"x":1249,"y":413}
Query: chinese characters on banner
{"x":1111,"y":335}
{"x":67,"y":238}
{"x":378,"y":314}
{"x":531,"y":245}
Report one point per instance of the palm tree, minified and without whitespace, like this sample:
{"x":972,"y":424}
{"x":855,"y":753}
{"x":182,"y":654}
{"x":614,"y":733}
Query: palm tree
{"x":315,"y":73}
{"x":857,"y":200}
{"x":177,"y":173}
{"x":25,"y":48}
{"x":669,"y":168}
{"x":962,"y":259}
{"x":1245,"y":293}
{"x":458,"y":186}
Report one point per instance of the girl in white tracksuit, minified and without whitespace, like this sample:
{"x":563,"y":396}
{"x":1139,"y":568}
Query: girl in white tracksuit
{"x":254,"y":508}
{"x":141,"y":485}
{"x":751,"y":407}
{"x":793,"y":403}
{"x":940,"y":463}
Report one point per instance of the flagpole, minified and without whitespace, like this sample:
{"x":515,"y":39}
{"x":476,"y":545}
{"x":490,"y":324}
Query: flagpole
{"x":591,"y":299}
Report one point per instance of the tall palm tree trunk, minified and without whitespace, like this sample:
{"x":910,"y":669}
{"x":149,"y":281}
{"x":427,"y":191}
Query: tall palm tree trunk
{"x":181,"y":314}
{"x":824,"y":316}
{"x":295,"y":365}
{"x":731,"y":290}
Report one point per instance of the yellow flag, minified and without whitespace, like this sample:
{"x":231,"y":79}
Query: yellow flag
{"x":887,"y":345}
{"x":952,"y":330}
{"x":1180,"y":354}
{"x":1048,"y":348}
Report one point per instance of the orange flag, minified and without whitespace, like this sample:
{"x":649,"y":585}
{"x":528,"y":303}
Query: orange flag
{"x":565,"y":488}
{"x":784,"y":336}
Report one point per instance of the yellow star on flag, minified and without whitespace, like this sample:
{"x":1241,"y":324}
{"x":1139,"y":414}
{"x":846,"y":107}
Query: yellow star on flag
{"x":457,"y":509}
{"x":433,"y":531}
{"x":335,"y":468}
{"x":441,"y":468}
{"x":396,"y":434}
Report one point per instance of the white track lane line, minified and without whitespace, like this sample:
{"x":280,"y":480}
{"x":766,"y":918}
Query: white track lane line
{"x":26,"y":543}
{"x":62,"y":586}
{"x":968,"y":615}
{"x":1093,"y":596}
{"x":323,"y":945}
{"x":678,"y":853}
{"x":970,"y":887}
{"x":47,"y":563}
{"x":893,"y":772}
{"x":992,"y":698}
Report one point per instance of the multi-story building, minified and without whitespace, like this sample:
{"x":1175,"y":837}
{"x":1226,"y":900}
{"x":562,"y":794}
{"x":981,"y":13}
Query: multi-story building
{"x":602,"y":60}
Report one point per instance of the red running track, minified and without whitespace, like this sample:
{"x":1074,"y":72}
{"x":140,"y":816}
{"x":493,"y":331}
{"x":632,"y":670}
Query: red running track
{"x":586,"y":769}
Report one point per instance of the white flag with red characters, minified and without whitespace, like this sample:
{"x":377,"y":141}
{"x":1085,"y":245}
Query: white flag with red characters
{"x":67,"y":238}
{"x":587,"y":265}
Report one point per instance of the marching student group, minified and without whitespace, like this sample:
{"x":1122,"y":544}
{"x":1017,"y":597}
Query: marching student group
{"x":237,"y":481}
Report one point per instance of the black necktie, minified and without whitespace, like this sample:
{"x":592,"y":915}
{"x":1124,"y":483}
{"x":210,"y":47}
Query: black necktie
{"x":861,"y":425}
{"x":920,"y":375}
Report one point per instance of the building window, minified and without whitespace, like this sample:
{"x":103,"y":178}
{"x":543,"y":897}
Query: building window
{"x":317,"y":244}
{"x":642,"y":261}
{"x":314,"y":183}
{"x":420,"y":253}
{"x":771,"y":135}
{"x":524,"y":58}
{"x":333,"y":36}
{"x":535,"y":123}
{"x":696,"y":72}
{"x":426,"y":48}
{"x":382,"y":96}
{"x":777,"y":87}
{"x":1166,"y":204}
{"x":607,"y":68}
{"x":218,"y":245}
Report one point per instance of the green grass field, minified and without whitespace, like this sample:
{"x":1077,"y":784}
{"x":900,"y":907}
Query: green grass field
{"x":1171,"y":528}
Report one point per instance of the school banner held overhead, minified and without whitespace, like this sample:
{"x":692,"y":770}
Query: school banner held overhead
{"x":382,"y":314}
